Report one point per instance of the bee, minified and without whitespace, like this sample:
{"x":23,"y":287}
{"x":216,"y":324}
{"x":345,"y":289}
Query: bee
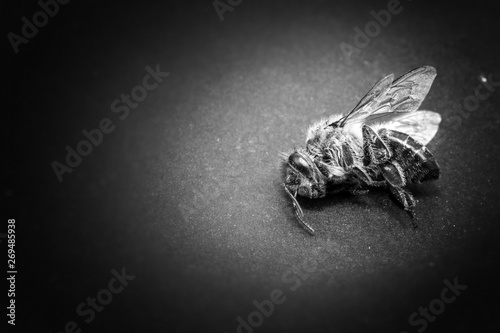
{"x":380,"y":143}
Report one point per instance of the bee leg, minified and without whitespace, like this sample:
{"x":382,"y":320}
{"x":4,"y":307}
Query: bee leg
{"x":404,"y":198}
{"x":394,"y":175}
{"x":362,"y":174}
{"x":374,"y":148}
{"x":347,"y":158}
{"x":363,"y":179}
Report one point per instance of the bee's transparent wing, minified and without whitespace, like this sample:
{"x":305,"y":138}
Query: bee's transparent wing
{"x":403,"y":95}
{"x":369,"y":102}
{"x":420,"y":125}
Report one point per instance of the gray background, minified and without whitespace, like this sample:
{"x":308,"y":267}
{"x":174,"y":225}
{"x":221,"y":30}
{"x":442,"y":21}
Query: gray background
{"x":186,"y":192}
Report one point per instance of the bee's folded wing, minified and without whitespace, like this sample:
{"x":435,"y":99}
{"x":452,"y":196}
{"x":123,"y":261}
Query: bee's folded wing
{"x":420,"y":125}
{"x":404,"y":95}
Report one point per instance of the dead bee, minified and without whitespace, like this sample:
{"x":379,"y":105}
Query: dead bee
{"x":381,"y":142}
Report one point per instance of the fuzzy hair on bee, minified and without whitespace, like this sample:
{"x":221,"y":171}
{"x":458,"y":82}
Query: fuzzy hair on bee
{"x":380,"y":143}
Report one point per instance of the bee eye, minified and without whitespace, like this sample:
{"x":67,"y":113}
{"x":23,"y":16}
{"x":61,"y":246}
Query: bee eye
{"x":299,"y":163}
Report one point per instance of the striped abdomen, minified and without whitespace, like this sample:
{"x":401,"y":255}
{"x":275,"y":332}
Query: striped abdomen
{"x":416,"y":160}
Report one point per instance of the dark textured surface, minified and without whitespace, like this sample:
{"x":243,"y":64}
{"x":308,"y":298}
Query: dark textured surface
{"x":186,"y":192}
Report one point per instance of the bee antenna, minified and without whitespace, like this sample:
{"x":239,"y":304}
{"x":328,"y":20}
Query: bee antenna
{"x":299,"y":214}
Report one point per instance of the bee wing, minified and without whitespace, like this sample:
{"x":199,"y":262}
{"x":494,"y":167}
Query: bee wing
{"x":403,"y":95}
{"x":420,"y":125}
{"x":369,"y":102}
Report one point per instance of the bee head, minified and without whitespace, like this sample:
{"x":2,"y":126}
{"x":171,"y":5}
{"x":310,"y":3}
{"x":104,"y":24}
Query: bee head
{"x":302,"y":178}
{"x":302,"y":175}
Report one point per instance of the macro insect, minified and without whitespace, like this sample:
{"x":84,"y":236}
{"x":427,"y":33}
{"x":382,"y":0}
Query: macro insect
{"x":379,"y":143}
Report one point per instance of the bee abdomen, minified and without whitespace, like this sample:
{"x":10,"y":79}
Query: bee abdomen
{"x":417,"y":161}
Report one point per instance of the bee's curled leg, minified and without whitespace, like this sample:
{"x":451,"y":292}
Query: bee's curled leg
{"x":367,"y":180}
{"x":405,"y":199}
{"x":394,"y":175}
{"x":375,"y":150}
